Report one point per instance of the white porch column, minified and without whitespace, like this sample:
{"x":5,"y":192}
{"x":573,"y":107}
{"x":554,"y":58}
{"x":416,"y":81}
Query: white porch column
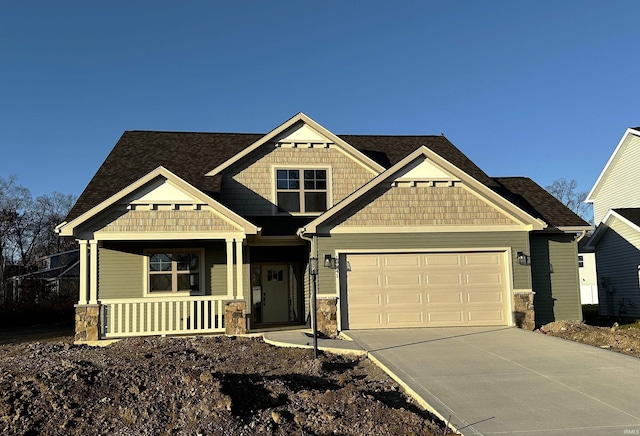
{"x":229,"y":268}
{"x":93,"y":272}
{"x":239,"y":293}
{"x":84,"y":259}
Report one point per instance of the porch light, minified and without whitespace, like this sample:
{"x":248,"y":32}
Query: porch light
{"x":330,"y":262}
{"x":523,"y":259}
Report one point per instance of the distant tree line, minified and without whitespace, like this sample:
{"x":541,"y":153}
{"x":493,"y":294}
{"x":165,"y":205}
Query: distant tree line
{"x":27,"y":228}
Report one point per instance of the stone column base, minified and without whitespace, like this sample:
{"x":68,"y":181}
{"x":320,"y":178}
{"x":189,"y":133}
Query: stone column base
{"x":235,"y":317}
{"x":523,"y":311}
{"x":87,"y":322}
{"x":327,"y":316}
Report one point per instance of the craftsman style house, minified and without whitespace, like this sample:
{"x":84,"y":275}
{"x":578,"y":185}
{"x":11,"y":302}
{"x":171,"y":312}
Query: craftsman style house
{"x":616,"y":209}
{"x":214,"y":232}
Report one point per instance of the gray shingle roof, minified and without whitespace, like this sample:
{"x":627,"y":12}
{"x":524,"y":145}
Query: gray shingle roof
{"x":532,"y":198}
{"x":191,"y":155}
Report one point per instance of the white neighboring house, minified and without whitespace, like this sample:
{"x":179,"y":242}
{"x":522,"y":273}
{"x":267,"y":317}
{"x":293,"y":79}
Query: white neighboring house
{"x":587,"y":273}
{"x":616,"y":206}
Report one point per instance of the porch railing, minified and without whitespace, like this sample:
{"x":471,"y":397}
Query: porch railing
{"x":170,"y":315}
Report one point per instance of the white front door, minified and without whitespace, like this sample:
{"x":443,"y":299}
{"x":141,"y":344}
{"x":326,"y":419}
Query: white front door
{"x":275,"y":293}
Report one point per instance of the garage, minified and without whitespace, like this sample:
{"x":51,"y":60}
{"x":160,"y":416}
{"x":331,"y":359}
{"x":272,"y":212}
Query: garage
{"x":400,"y":290}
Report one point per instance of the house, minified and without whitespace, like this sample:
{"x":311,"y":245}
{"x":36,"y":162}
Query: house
{"x":587,"y":271}
{"x":57,"y":273}
{"x":616,"y":206}
{"x":214,"y":232}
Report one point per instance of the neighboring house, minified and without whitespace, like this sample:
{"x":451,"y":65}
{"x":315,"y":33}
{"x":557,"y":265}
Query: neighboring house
{"x":56,"y":271}
{"x":214,"y":232}
{"x":587,"y":272}
{"x":616,"y":206}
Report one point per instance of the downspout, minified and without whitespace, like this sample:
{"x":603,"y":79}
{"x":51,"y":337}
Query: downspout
{"x":313,"y":270}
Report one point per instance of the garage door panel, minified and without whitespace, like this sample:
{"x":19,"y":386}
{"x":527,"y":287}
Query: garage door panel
{"x":366,"y":261}
{"x":486,"y":316}
{"x":366,"y":320}
{"x":400,"y":261}
{"x":484,"y":278}
{"x":446,"y":318}
{"x":412,"y":279}
{"x":403,"y":298}
{"x":444,"y":279}
{"x":408,"y":319}
{"x":361,"y":280}
{"x":444,"y":297}
{"x":364,"y":299}
{"x":483,"y":259}
{"x":426,"y":289}
{"x":484,"y":297}
{"x":441,"y":259}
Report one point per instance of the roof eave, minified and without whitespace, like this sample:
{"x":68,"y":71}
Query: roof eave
{"x":596,"y":185}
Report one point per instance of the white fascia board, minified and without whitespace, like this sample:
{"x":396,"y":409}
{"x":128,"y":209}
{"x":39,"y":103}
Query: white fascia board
{"x":590,"y":196}
{"x":608,"y":219}
{"x":536,"y":223}
{"x":375,"y":167}
{"x":66,"y":229}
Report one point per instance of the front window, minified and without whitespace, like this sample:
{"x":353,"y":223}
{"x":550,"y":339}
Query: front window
{"x":301,"y":191}
{"x":172,"y":271}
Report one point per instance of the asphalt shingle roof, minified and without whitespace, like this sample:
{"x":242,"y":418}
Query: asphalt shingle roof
{"x":532,"y":198}
{"x":191,"y":155}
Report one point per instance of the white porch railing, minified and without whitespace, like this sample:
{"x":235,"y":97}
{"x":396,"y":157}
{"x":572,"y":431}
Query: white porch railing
{"x":162,"y":316}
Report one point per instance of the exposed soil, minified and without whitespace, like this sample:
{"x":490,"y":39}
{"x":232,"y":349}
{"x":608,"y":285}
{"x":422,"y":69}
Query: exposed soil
{"x":202,"y":385}
{"x":626,"y":341}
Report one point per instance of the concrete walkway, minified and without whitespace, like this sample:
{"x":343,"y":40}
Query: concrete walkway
{"x":304,"y":339}
{"x":510,"y":381}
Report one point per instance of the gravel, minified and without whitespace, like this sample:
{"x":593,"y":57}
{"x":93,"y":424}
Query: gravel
{"x":203,"y":385}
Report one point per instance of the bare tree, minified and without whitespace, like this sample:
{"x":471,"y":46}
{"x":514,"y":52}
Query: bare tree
{"x":567,"y":192}
{"x":27,"y":225}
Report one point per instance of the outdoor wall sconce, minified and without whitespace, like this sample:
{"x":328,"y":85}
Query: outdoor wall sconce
{"x":330,"y":262}
{"x":523,"y":259}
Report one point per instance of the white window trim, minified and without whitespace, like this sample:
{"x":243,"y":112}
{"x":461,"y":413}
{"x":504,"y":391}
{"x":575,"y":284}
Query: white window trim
{"x":274,"y":187}
{"x":201,"y":272}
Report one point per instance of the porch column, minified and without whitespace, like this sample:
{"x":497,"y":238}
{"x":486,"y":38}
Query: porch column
{"x":229,"y":268}
{"x":83,"y":294}
{"x":93,"y":272}
{"x":239,"y":295}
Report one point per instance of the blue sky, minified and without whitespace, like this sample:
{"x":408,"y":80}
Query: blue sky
{"x":543,"y":89}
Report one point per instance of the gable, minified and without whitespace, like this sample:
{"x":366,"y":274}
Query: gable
{"x":617,"y":185}
{"x":624,"y":222}
{"x":300,"y":130}
{"x":160,"y":203}
{"x":423,"y":193}
{"x":248,"y":187}
{"x":423,"y":204}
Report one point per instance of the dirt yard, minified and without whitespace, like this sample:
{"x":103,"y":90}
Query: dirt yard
{"x":626,"y":341}
{"x":214,"y":385}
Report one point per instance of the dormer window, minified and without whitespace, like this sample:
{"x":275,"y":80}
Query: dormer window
{"x":301,"y":190}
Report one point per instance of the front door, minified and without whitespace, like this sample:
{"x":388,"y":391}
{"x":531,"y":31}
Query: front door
{"x":275,"y":293}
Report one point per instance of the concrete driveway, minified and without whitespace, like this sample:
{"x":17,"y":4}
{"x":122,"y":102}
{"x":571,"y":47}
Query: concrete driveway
{"x":498,"y":380}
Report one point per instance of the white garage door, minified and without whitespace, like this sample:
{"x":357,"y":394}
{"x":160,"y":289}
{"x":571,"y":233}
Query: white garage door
{"x":426,"y":290}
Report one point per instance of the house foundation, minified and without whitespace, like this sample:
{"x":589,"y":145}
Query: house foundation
{"x":523,"y":311}
{"x":327,"y":316}
{"x":235,"y":317}
{"x":87,"y":322}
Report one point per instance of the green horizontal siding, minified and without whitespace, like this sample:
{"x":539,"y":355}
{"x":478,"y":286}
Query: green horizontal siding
{"x":120,"y":273}
{"x":517,"y":241}
{"x":554,"y":268}
{"x":216,"y":269}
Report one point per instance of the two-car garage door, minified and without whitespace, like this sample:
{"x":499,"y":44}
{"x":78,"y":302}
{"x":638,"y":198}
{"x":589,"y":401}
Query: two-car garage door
{"x":426,"y":289}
